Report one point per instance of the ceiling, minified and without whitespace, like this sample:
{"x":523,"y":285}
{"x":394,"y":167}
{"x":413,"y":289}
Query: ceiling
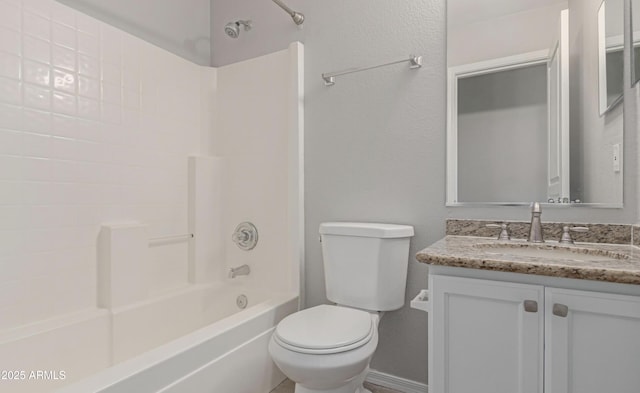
{"x":181,"y":27}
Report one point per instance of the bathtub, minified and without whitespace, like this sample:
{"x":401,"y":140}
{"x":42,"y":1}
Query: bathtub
{"x":194,"y":339}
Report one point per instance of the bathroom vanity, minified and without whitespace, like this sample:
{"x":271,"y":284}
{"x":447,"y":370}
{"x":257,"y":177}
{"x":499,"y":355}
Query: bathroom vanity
{"x":510,"y":316}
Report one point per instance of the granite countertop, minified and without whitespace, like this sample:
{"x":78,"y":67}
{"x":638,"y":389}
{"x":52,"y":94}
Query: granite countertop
{"x":605,"y":262}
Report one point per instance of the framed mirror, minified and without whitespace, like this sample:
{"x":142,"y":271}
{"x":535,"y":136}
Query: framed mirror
{"x":635,"y":29}
{"x":523,"y":104}
{"x":610,"y":53}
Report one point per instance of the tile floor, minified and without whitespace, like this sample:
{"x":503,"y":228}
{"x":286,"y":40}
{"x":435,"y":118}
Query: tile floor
{"x":287,"y":387}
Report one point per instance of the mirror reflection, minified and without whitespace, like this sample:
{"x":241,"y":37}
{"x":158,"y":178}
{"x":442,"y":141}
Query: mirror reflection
{"x":610,"y":53}
{"x":524,"y":91}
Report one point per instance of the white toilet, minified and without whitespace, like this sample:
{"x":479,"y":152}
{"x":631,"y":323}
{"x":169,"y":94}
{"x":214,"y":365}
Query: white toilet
{"x":328,"y":348}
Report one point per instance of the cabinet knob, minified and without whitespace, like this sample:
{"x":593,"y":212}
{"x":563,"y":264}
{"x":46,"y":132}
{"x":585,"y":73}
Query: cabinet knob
{"x":530,"y":306}
{"x":560,"y":310}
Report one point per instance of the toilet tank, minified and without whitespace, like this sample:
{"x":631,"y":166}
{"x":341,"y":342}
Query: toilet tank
{"x":365,"y":264}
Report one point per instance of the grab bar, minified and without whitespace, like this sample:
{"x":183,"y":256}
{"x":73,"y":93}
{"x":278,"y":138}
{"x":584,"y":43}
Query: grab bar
{"x":170,"y":239}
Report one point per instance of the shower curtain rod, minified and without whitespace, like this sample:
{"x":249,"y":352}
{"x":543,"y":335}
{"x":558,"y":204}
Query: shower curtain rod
{"x":329,"y":77}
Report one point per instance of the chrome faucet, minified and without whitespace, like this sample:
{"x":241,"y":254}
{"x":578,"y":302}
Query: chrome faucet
{"x":243,"y":270}
{"x":566,"y":236}
{"x":535,"y":231}
{"x":504,"y":233}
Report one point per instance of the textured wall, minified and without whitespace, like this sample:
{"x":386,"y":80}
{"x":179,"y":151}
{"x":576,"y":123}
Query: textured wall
{"x":374,"y":146}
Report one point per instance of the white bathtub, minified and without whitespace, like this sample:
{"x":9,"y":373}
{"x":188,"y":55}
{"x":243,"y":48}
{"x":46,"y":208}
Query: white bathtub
{"x":190,"y":340}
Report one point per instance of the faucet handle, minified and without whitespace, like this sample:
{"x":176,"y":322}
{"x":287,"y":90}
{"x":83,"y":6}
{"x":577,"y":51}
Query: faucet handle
{"x":579,"y":229}
{"x":504,"y":233}
{"x":566,"y":236}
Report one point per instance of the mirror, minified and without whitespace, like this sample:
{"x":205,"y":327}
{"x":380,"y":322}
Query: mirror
{"x":610,"y":53}
{"x":523,"y":106}
{"x":635,"y":28}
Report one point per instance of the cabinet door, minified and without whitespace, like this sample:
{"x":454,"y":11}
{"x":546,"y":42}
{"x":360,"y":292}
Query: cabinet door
{"x":485,"y":336}
{"x":592,"y":342}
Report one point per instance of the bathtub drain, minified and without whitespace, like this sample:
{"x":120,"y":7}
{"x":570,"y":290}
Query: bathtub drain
{"x":242,"y":301}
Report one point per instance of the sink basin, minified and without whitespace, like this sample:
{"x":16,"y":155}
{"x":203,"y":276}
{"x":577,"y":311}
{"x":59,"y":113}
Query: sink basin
{"x":550,"y":251}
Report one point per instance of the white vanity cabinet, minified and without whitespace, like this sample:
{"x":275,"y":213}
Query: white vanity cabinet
{"x":489,"y":336}
{"x":482,"y":340}
{"x":592,"y":342}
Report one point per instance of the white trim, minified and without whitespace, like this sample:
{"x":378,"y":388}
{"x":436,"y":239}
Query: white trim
{"x":615,"y":43}
{"x":602,"y":62}
{"x":500,"y":64}
{"x":606,"y":45}
{"x":396,"y":383}
{"x":635,"y":37}
{"x":296,"y":169}
{"x":467,"y":70}
{"x":558,"y":182}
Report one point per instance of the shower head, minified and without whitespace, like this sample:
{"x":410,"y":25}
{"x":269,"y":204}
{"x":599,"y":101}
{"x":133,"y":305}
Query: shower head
{"x":298,"y":17}
{"x":232,"y":29}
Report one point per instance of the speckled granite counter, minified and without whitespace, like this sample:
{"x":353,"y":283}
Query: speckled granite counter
{"x":598,"y":233}
{"x":619,"y":263}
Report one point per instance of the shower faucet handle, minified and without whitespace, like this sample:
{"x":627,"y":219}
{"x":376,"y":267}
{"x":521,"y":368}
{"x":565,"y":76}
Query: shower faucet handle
{"x":241,"y":236}
{"x":245,"y":236}
{"x":504,"y":233}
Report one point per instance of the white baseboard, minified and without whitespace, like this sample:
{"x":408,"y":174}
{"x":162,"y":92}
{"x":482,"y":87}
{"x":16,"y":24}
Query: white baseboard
{"x":396,"y":383}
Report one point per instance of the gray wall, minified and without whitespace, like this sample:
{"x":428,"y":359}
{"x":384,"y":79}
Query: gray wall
{"x":375,"y":142}
{"x":502,"y":134}
{"x":181,"y":27}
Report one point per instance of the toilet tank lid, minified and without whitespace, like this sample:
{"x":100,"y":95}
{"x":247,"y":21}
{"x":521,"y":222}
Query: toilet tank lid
{"x":366,"y":229}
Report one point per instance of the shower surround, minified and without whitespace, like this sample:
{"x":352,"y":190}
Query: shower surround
{"x":106,"y":143}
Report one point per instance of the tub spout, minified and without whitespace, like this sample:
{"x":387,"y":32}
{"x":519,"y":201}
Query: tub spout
{"x":243,"y":270}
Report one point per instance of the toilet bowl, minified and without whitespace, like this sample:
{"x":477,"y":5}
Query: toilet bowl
{"x":326,"y":348}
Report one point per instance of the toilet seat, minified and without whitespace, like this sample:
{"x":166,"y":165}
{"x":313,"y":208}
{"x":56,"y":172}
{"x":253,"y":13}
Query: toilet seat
{"x":324,"y":330}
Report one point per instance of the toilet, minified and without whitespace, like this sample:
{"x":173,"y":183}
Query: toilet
{"x":327,"y":348}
